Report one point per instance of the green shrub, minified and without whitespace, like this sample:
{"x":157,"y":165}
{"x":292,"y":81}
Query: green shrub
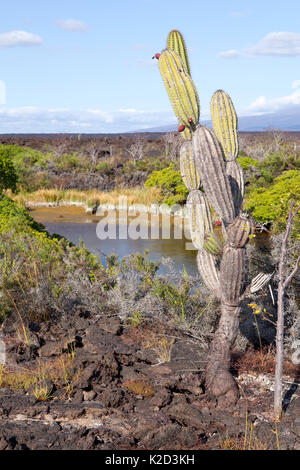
{"x":27,"y":163}
{"x":70,"y":162}
{"x":104,"y":167}
{"x":8,"y":175}
{"x":274,"y":164}
{"x":246,"y":162}
{"x":170,"y":182}
{"x":272,"y":204}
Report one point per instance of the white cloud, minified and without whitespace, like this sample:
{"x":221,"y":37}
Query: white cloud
{"x":231,"y":54}
{"x":39,"y":120}
{"x":72,"y":25}
{"x":277,"y":44}
{"x":263,"y":105}
{"x":19,"y":38}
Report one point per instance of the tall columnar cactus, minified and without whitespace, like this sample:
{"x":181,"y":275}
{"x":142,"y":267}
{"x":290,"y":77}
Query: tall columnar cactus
{"x":209,"y":159}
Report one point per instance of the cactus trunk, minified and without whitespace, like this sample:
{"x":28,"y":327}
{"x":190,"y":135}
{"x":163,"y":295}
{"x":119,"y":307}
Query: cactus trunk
{"x":218,"y":379}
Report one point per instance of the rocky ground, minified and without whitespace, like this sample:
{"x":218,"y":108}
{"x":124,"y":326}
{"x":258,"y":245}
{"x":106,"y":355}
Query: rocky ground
{"x":127,"y":387}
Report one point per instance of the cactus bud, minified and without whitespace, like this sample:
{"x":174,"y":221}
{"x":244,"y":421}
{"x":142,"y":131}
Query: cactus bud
{"x":212,"y":244}
{"x":181,"y":128}
{"x":156,"y":56}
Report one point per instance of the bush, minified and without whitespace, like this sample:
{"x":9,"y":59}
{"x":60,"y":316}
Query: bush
{"x":8,"y":175}
{"x":246,"y":162}
{"x":170,"y":182}
{"x":272,"y":204}
{"x":70,"y":162}
{"x":27,"y":164}
{"x":274,"y":164}
{"x":42,"y":275}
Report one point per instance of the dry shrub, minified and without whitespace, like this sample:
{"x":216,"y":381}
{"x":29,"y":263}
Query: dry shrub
{"x":261,"y":362}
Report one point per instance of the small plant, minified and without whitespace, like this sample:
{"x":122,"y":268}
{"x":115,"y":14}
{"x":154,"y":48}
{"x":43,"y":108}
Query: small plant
{"x":162,"y":346}
{"x":41,"y":390}
{"x":135,"y":319}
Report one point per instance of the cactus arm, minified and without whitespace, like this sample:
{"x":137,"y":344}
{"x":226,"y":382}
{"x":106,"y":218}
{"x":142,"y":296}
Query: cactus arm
{"x":199,"y":216}
{"x":176,"y":43}
{"x":207,"y":268}
{"x":188,"y":166}
{"x":180,"y":88}
{"x":225,"y":122}
{"x":237,"y":183}
{"x":212,"y":244}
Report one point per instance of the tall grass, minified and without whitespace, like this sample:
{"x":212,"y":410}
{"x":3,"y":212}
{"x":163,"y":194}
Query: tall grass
{"x":88,"y":197}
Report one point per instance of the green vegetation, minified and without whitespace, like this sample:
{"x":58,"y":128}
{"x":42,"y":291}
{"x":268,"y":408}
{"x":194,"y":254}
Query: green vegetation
{"x":169,"y":181}
{"x":28,"y":165}
{"x":246,"y":162}
{"x":271,"y":204}
{"x":274,"y":164}
{"x":35,"y":266}
{"x":36,"y":176}
{"x":8,"y":175}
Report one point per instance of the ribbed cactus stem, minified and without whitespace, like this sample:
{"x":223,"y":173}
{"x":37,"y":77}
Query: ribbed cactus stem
{"x":180,"y":88}
{"x":225,"y":122}
{"x":207,"y":267}
{"x":238,"y":232}
{"x":232,"y":274}
{"x":199,"y":217}
{"x":209,"y":157}
{"x":260,"y":281}
{"x":175,"y":42}
{"x":212,"y":244}
{"x":237,"y":184}
{"x":188,"y":166}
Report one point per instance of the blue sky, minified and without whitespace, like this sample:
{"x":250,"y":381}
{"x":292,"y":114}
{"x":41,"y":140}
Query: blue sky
{"x":86,"y":66}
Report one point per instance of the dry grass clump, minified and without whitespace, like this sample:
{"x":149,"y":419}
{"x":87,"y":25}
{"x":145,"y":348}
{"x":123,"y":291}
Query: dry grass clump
{"x":59,"y":373}
{"x":260,"y":361}
{"x":88,"y":197}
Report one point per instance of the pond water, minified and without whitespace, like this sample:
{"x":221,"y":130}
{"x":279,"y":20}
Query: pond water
{"x":172,"y":237}
{"x":75,"y":224}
